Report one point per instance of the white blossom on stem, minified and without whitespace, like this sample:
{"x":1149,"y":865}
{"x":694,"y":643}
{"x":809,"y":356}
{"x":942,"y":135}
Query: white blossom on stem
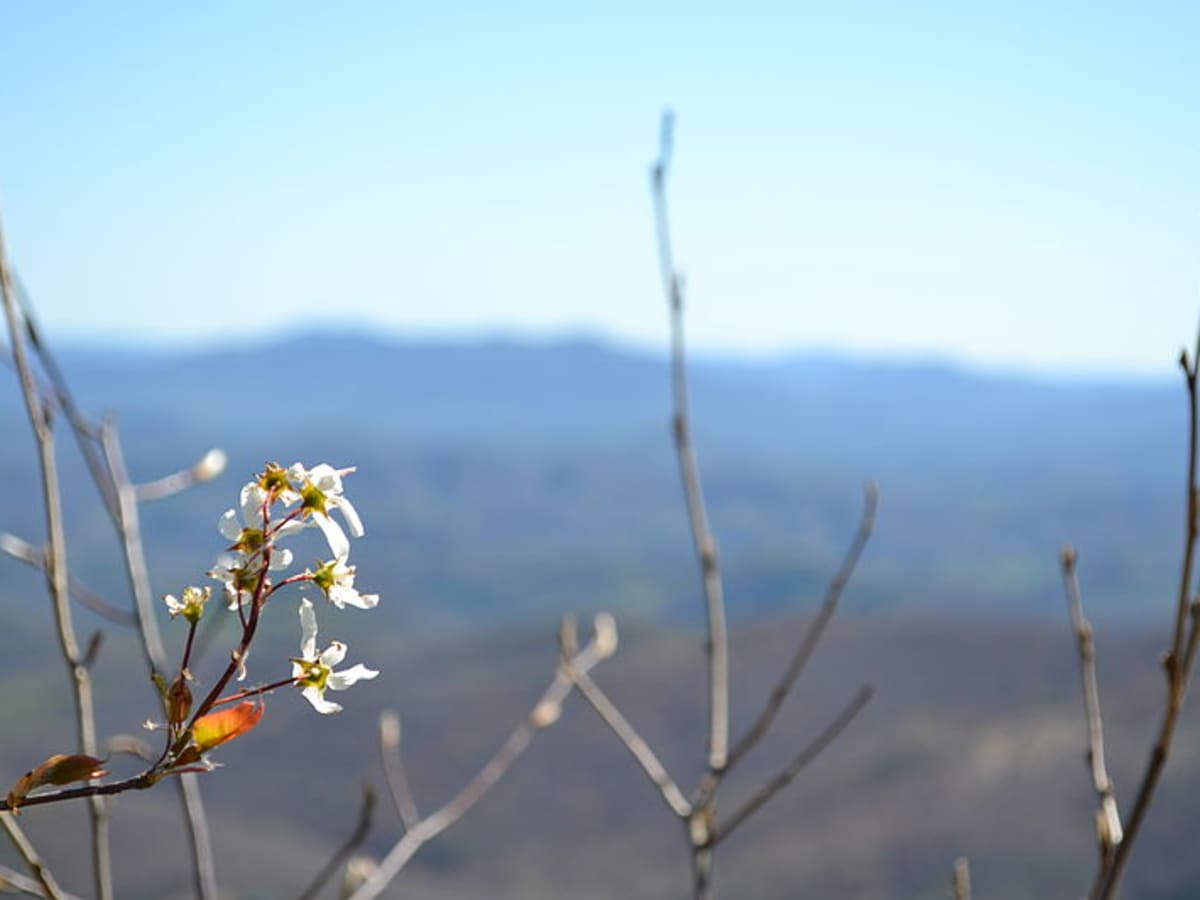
{"x":314,"y":672}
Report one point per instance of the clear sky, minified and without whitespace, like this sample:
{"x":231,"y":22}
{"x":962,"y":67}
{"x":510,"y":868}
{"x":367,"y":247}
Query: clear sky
{"x":1008,"y":184}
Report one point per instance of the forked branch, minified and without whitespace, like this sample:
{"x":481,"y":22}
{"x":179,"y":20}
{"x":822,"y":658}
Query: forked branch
{"x":816,"y":629}
{"x":1180,"y":658}
{"x":543,"y":714}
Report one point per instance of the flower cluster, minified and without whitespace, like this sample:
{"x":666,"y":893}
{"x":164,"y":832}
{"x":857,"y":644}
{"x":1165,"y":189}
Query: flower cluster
{"x":279,"y":503}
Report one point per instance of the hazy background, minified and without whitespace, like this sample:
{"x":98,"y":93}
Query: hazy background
{"x":950,"y":249}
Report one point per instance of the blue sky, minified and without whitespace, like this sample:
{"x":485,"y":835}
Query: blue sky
{"x":1013,"y":185}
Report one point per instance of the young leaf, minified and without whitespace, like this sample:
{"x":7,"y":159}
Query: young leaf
{"x":61,"y":768}
{"x":217,"y":728}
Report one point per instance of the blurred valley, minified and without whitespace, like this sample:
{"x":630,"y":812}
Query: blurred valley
{"x":505,"y":483}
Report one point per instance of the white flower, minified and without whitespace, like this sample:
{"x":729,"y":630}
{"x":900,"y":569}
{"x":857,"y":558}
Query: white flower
{"x":336,"y":579}
{"x":247,"y":533}
{"x":191,"y":607}
{"x":319,"y":491}
{"x":314,"y":672}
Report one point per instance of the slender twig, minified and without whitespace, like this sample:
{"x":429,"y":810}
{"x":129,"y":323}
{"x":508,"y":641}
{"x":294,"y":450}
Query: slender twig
{"x":634,"y":743}
{"x":1108,"y":818}
{"x":366,"y":816}
{"x":209,"y":467}
{"x":57,"y":576}
{"x":717,"y":644}
{"x":1181,"y":656}
{"x":543,"y":714}
{"x":27,"y":553}
{"x":10,"y":878}
{"x":393,"y":768}
{"x":962,"y":879}
{"x":816,"y":629}
{"x":793,"y":768}
{"x":86,"y":433}
{"x":41,"y":875}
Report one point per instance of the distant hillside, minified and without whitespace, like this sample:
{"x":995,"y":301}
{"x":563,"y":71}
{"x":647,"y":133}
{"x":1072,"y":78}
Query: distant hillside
{"x":973,"y":746}
{"x":502,"y":479}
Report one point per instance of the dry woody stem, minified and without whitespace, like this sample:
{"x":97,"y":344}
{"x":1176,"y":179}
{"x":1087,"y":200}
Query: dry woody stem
{"x":544,"y":713}
{"x":698,"y":815}
{"x":1178,"y":662}
{"x":57,"y":576}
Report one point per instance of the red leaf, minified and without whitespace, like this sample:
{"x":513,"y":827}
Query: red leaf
{"x":216,"y":728}
{"x":61,"y":768}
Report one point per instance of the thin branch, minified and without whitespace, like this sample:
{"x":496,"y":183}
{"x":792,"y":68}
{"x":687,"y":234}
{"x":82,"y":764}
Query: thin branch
{"x":57,"y":575}
{"x":802,"y":759}
{"x":816,"y":629}
{"x":1181,"y":656}
{"x":634,"y":743}
{"x":366,"y":816}
{"x":393,"y":768}
{"x":27,"y":553}
{"x":86,"y":433}
{"x":543,"y":714}
{"x":41,"y":875}
{"x":962,"y":879}
{"x":207,"y":468}
{"x":1108,"y":819}
{"x":11,"y":878}
{"x":716,"y":646}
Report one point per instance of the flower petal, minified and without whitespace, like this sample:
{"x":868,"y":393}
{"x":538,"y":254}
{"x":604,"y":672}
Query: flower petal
{"x":319,"y":703}
{"x":339,"y":681}
{"x":308,"y":630}
{"x":350,"y":514}
{"x":229,"y":526}
{"x":333,"y":654}
{"x":339,"y":544}
{"x":341,"y":597}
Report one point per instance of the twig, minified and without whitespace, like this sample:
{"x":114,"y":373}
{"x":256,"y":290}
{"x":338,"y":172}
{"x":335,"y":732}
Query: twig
{"x":127,"y":523}
{"x":1108,"y":819}
{"x":1181,"y":656}
{"x":962,"y":879}
{"x":27,"y":553}
{"x":716,"y":646}
{"x":366,"y":816}
{"x":42,"y":875}
{"x":57,"y":574}
{"x":802,"y":759}
{"x":11,"y":878}
{"x":634,"y":743}
{"x":393,"y":768}
{"x":86,"y":434}
{"x":544,"y":713}
{"x":816,"y":629}
{"x":207,"y":468}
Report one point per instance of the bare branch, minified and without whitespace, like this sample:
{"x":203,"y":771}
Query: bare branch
{"x":716,"y":647}
{"x":802,"y":759}
{"x":1180,"y":658}
{"x":833,"y":593}
{"x":543,"y":714}
{"x":1108,"y":820}
{"x":634,"y":743}
{"x":41,"y":875}
{"x":58,"y":579}
{"x":86,"y":433}
{"x":393,"y":768}
{"x":85,"y":596}
{"x":962,"y":879}
{"x":207,"y":468}
{"x":127,"y":522}
{"x":366,"y":815}
{"x":10,"y":878}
